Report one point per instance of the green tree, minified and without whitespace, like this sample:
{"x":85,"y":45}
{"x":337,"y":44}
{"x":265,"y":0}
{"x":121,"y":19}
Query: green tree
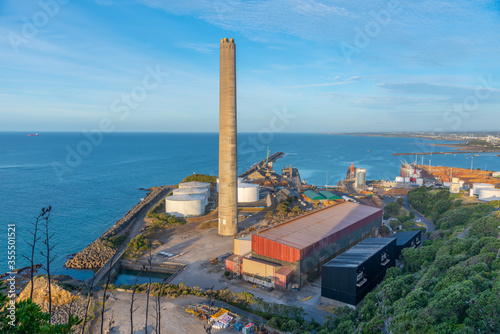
{"x":485,"y":227}
{"x":297,"y":210}
{"x":392,"y":209}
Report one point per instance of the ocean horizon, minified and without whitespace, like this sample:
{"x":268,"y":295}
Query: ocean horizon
{"x":92,"y":180}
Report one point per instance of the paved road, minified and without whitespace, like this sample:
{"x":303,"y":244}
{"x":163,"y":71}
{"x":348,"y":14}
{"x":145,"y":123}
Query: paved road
{"x":428,"y":224}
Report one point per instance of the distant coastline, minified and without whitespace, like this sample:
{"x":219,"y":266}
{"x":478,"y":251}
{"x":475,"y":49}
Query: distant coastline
{"x":396,"y":135}
{"x":465,"y":142}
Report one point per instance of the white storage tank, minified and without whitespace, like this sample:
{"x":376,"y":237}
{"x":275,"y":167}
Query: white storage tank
{"x":192,"y":191}
{"x":240,"y":180}
{"x":420,"y":181}
{"x":489,"y":194}
{"x":248,"y":192}
{"x":185,"y":205}
{"x":446,"y":184}
{"x":478,"y":186}
{"x":400,"y":179}
{"x":196,"y":184}
{"x":407,"y":179}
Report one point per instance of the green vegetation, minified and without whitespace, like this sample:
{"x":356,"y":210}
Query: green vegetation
{"x":27,"y":317}
{"x":115,"y":241}
{"x":157,"y":209}
{"x":282,"y":209}
{"x":162,"y":219}
{"x":392,"y":209}
{"x":138,"y":245}
{"x":200,"y":178}
{"x":449,"y":285}
{"x":431,"y":203}
{"x":403,"y":218}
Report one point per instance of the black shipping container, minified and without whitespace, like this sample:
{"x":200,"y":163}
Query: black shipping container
{"x":407,"y":239}
{"x":354,"y":273}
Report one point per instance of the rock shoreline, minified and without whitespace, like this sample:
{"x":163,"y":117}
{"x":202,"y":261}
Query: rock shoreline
{"x":95,"y":255}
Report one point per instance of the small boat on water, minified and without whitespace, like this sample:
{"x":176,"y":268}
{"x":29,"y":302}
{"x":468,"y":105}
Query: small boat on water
{"x":32,"y":134}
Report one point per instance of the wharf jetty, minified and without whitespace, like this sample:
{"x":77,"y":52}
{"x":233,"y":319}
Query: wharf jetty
{"x":260,"y":164}
{"x":95,"y":255}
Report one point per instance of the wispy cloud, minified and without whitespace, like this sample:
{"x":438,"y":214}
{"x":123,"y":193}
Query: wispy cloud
{"x":199,"y":47}
{"x":345,"y":82}
{"x":436,"y":89}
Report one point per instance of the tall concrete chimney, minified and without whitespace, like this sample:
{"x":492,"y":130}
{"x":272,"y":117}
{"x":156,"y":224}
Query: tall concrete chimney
{"x":228,"y":177}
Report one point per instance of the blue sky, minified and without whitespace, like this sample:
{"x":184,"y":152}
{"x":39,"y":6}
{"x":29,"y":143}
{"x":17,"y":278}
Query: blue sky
{"x":334,"y":66}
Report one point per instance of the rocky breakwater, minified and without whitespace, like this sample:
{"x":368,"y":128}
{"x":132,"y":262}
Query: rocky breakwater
{"x":95,"y":255}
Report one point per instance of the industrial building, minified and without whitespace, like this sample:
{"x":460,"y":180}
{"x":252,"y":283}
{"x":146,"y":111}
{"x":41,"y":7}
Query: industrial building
{"x":347,"y":279}
{"x":294,"y":251}
{"x":329,"y":195}
{"x":489,"y":194}
{"x":185,"y":205}
{"x":312,"y":196}
{"x":406,"y":240}
{"x":287,"y":195}
{"x":456,"y":185}
{"x":248,"y":192}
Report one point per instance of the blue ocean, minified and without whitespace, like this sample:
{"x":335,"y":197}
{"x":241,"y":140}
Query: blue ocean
{"x":93,"y":180}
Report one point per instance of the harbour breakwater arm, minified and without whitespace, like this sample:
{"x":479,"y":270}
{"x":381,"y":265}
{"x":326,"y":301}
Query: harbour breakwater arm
{"x":98,"y":253}
{"x":260,"y":164}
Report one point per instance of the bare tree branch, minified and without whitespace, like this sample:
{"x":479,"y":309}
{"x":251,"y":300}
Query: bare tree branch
{"x":108,"y":279}
{"x":49,"y":260}
{"x":149,"y":289}
{"x":33,"y":246}
{"x":92,"y":280}
{"x":132,"y":302}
